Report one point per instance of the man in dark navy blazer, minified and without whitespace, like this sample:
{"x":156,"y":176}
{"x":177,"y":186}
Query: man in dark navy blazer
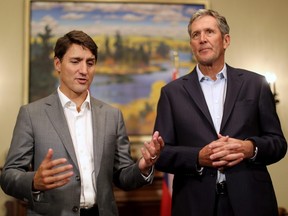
{"x":221,"y":130}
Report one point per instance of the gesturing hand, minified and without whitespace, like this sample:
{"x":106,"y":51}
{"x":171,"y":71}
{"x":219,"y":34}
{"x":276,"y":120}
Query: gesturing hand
{"x":151,"y":152}
{"x":52,"y":173}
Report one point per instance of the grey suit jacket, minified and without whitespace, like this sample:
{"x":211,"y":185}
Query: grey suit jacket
{"x":184,"y":122}
{"x":42,"y":125}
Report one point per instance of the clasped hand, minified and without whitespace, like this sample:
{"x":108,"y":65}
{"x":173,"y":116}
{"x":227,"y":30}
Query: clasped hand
{"x":225,"y":152}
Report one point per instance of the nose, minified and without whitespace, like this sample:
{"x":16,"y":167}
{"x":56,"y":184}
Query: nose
{"x":83,"y":68}
{"x":203,"y":37}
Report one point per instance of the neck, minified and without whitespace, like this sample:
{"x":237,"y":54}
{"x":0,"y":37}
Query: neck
{"x":77,"y":98}
{"x":211,"y":70}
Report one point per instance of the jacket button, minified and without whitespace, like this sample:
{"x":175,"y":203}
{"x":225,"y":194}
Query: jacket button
{"x":75,"y":209}
{"x":77,"y":178}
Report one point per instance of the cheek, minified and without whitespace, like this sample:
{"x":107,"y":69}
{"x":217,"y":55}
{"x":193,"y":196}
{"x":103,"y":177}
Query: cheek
{"x":65,"y":76}
{"x":193,"y":47}
{"x":91,"y":77}
{"x":91,"y":72}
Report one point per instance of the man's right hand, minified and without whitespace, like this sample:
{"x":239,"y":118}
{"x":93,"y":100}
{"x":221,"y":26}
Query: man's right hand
{"x":52,"y":173}
{"x":205,"y":153}
{"x":224,"y":152}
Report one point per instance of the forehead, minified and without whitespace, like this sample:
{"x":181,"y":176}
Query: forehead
{"x":204,"y":22}
{"x":76,"y":50}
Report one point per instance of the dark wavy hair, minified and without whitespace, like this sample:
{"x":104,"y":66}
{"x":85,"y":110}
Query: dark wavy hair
{"x":74,"y":37}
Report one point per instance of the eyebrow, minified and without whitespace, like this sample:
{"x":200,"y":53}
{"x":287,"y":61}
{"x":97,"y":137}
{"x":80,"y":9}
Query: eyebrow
{"x":80,"y":58}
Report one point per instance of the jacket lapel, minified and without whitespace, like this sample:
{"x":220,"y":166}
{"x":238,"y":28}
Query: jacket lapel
{"x":192,"y":86}
{"x":234,"y":84}
{"x":98,"y":125}
{"x":57,"y":117}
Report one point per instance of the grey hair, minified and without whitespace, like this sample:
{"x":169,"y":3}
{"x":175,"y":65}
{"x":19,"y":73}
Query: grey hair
{"x":221,"y":20}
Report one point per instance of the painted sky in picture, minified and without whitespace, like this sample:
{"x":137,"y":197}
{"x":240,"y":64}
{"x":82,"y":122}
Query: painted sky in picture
{"x":103,"y":18}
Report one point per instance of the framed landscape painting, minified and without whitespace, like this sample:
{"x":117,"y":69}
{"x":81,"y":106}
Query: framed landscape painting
{"x":141,"y":47}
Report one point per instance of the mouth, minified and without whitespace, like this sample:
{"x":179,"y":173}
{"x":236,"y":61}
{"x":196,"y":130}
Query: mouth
{"x":82,"y":80}
{"x":204,"y":49}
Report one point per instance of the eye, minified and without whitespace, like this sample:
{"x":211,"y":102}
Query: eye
{"x":74,"y":61}
{"x":195,"y":35}
{"x":209,"y":32}
{"x":90,"y":63}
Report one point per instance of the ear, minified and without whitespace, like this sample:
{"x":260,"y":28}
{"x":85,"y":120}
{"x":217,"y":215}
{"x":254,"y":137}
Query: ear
{"x":226,"y":41}
{"x":57,"y":64}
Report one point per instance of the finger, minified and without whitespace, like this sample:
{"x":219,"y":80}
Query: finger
{"x":44,"y":178}
{"x":157,"y":140}
{"x":234,"y":156}
{"x":153,"y":153}
{"x":155,"y":135}
{"x":219,"y":135}
{"x":48,"y":163}
{"x":58,"y":170}
{"x":161,"y":142}
{"x":150,"y":157}
{"x":48,"y":156}
{"x":218,"y":155}
{"x":222,"y":138}
{"x":154,"y":140}
{"x":228,"y":147}
{"x":233,"y":163}
{"x":217,"y":144}
{"x":57,"y":162}
{"x":145,"y":153}
{"x":220,"y":163}
{"x":150,"y":148}
{"x":57,"y":178}
{"x":57,"y":184}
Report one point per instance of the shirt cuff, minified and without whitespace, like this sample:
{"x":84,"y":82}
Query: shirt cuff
{"x":150,"y":176}
{"x":255,"y":154}
{"x":36,"y":195}
{"x":199,"y":170}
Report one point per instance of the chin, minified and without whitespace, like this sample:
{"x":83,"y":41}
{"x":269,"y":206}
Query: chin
{"x":81,"y":90}
{"x":206,"y":63}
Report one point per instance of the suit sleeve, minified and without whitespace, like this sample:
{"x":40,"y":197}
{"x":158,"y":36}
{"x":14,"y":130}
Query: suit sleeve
{"x":16,"y":177}
{"x":271,"y":142}
{"x":127,"y":175}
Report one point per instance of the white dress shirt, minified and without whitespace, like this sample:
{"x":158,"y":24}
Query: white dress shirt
{"x":80,"y":127}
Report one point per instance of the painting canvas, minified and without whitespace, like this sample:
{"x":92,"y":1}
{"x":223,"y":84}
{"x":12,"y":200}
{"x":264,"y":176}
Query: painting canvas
{"x":141,"y":47}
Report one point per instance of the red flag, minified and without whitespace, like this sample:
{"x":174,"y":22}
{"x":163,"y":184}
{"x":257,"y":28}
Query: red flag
{"x":175,"y":74}
{"x":166,"y":202}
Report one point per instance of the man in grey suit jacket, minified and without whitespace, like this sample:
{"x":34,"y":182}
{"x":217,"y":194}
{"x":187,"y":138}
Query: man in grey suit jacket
{"x":69,"y":148}
{"x":221,"y":130}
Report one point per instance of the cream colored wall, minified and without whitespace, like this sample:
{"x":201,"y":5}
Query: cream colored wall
{"x":259,"y":32}
{"x":11,"y":74}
